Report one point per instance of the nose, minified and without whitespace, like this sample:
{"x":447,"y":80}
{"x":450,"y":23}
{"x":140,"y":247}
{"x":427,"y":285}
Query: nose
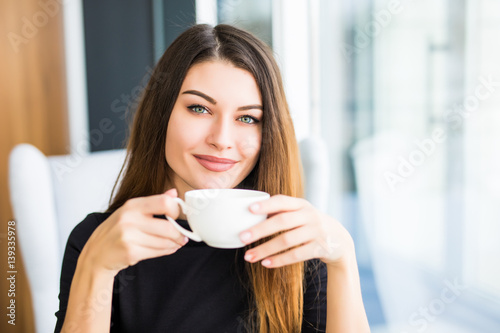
{"x":221,"y":134}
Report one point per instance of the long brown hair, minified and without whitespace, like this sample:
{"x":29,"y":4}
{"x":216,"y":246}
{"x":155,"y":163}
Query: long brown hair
{"x":277,"y":294}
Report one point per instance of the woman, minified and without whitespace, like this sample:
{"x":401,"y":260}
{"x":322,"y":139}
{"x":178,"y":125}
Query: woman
{"x":217,"y":118}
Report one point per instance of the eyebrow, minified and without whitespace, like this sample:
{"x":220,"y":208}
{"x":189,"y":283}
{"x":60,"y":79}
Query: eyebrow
{"x":214,"y":102}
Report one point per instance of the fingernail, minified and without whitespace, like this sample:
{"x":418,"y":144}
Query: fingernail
{"x":245,"y":237}
{"x":254,"y":207}
{"x":249,"y":257}
{"x":185,"y":240}
{"x":266,"y":262}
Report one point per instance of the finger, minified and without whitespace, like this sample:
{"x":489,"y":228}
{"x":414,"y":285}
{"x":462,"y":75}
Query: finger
{"x":154,"y":242}
{"x":295,"y":255}
{"x":274,"y":224}
{"x":281,"y":243}
{"x":278,"y":203}
{"x":156,"y":204}
{"x":134,"y":236}
{"x":161,"y":228}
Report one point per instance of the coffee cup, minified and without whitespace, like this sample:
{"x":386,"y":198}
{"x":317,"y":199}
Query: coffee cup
{"x":218,"y":216}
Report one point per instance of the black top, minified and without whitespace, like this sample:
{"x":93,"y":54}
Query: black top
{"x":196,"y":289}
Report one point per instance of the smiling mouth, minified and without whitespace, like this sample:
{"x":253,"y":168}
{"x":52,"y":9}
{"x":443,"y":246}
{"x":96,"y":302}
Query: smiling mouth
{"x":215,"y":164}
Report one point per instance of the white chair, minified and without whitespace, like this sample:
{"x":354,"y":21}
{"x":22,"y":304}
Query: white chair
{"x":50,"y":195}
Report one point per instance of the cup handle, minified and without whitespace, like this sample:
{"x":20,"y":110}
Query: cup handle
{"x":176,"y":225}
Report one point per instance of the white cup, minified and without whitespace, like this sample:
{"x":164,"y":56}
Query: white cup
{"x":218,"y":216}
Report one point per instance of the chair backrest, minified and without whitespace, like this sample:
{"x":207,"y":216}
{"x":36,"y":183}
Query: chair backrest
{"x":82,"y":185}
{"x":50,"y":195}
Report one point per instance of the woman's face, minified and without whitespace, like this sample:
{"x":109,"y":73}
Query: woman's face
{"x":215,"y":129}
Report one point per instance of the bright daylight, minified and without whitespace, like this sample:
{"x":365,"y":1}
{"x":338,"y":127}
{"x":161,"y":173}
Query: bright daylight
{"x":260,"y":166}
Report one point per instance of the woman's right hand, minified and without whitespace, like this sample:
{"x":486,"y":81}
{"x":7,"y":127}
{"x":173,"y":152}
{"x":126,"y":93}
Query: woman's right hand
{"x":131,"y":234}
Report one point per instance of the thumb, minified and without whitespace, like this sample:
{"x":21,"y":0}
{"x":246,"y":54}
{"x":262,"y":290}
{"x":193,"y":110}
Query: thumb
{"x":174,"y":208}
{"x":172,"y":193}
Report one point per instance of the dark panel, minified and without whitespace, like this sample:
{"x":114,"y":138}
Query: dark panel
{"x":179,"y":15}
{"x":119,"y":53}
{"x":120,"y":38}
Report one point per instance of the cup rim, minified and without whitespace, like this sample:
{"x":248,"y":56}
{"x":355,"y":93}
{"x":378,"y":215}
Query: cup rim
{"x":209,"y":192}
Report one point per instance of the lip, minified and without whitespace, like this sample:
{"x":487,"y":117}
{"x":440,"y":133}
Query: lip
{"x":214,"y":163}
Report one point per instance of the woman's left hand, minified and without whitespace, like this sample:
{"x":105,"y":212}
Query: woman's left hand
{"x":307,"y":234}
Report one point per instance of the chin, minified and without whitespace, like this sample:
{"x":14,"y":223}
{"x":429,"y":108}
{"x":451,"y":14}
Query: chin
{"x":220,"y":180}
{"x":212,"y":183}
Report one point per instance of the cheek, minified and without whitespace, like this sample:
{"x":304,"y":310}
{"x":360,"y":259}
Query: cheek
{"x":250,"y":145}
{"x":182,"y":135}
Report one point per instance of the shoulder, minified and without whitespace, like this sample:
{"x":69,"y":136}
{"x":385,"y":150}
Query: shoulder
{"x":83,"y":230}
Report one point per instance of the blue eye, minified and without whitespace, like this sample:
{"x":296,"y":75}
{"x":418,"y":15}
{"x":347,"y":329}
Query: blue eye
{"x":248,"y":120}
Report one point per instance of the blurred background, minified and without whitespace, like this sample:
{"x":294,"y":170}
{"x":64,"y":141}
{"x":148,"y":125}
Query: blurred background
{"x":406,"y":95}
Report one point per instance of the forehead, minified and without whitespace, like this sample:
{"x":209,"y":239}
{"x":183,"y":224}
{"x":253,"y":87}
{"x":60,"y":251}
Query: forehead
{"x":220,"y":79}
